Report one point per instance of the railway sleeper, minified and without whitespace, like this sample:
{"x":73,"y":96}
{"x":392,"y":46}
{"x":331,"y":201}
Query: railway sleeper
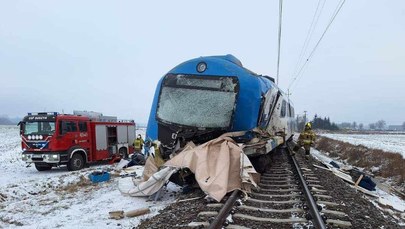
{"x":281,"y":186}
{"x":287,"y":210}
{"x":279,"y":190}
{"x":293,"y":201}
{"x":207,"y":214}
{"x":322,"y":196}
{"x":317,"y":190}
{"x":274,"y":215}
{"x":331,"y":212}
{"x":275,"y":195}
{"x":278,"y":175}
{"x":277,"y":182}
{"x":270,"y":220}
{"x":234,"y":226}
{"x":199,"y":224}
{"x":339,"y":223}
{"x":217,"y":205}
{"x":289,"y":179}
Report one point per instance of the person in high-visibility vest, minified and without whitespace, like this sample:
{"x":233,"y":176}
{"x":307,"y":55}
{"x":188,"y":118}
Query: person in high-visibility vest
{"x":307,"y":139}
{"x":138,"y":144}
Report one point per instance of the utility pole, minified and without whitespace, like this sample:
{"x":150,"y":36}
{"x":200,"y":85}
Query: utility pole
{"x":305,"y":117}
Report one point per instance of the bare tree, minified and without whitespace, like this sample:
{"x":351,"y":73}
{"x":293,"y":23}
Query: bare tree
{"x":354,"y":125}
{"x":380,"y":124}
{"x":403,"y":125}
{"x":372,"y":126}
{"x":361,"y":126}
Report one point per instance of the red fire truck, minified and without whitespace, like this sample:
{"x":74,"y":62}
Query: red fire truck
{"x":50,"y":139}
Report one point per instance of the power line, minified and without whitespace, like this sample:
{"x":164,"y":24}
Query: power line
{"x":311,"y":29}
{"x":280,"y":13}
{"x":337,"y":10}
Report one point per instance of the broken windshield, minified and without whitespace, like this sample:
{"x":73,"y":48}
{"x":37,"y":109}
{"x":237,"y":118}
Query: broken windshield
{"x":205,"y":102}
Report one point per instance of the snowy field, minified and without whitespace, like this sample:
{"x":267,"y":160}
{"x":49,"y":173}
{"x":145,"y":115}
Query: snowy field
{"x":388,"y":142}
{"x":61,"y":199}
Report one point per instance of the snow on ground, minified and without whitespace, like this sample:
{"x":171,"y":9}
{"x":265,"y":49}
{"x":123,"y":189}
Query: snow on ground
{"x":59,"y":198}
{"x":384,"y":197}
{"x":387,"y":142}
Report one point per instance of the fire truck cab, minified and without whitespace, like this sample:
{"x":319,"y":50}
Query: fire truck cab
{"x":50,"y":139}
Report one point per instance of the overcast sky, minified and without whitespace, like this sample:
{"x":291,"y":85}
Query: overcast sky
{"x":107,"y":56}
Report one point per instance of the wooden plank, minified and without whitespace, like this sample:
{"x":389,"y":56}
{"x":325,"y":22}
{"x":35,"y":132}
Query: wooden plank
{"x":358,"y":180}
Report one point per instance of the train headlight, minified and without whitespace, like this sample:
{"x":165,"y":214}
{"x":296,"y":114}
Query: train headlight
{"x":201,"y":67}
{"x":36,"y":137}
{"x":40,"y":137}
{"x":29,"y":137}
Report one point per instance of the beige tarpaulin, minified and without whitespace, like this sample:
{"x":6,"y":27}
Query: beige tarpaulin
{"x":220,"y":166}
{"x":148,"y":187}
{"x":216,"y":165}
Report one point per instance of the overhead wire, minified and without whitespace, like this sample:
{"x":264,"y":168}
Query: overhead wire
{"x":308,"y":37}
{"x":336,"y":12}
{"x":280,"y":13}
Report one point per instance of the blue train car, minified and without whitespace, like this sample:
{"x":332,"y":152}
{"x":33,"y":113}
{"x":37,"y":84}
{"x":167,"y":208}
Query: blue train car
{"x":205,"y":97}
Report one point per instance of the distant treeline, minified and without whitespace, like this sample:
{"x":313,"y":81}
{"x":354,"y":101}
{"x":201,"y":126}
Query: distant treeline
{"x":317,"y":123}
{"x":5,"y":120}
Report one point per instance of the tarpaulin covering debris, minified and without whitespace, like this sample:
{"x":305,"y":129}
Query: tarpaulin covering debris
{"x":219,"y":165}
{"x":216,"y":165}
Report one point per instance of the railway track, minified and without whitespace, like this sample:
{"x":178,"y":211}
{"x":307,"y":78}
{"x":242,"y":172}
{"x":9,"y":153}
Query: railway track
{"x":289,"y":196}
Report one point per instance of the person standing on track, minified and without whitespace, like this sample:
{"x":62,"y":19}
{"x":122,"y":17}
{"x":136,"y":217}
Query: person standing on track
{"x":307,"y":139}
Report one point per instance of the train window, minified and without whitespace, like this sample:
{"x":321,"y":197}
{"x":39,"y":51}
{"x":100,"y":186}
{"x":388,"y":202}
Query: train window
{"x":283,"y":109}
{"x":197,"y":101}
{"x":208,"y":82}
{"x":212,"y":83}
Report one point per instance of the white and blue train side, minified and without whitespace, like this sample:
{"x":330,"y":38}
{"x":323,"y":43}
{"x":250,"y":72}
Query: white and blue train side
{"x":202,"y":98}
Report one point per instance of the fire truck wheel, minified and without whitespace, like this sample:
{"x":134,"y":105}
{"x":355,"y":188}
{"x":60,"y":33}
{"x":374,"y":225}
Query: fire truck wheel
{"x":76,"y":162}
{"x":43,"y":167}
{"x":123,"y":153}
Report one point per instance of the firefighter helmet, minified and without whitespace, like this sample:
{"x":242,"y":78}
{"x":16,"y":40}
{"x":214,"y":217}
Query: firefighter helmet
{"x":308,"y":125}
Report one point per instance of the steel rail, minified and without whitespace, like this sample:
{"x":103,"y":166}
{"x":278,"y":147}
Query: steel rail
{"x":224,"y":212}
{"x":319,"y":223}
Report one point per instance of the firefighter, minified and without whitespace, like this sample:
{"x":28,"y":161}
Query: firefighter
{"x":156,"y":154}
{"x":307,"y":139}
{"x":138,"y":144}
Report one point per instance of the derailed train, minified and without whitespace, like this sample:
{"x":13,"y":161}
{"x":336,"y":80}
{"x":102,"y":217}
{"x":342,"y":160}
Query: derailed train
{"x":202,"y":98}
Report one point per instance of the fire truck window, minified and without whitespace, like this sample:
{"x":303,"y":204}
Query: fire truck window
{"x":83,"y":126}
{"x":71,"y":126}
{"x":62,"y":127}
